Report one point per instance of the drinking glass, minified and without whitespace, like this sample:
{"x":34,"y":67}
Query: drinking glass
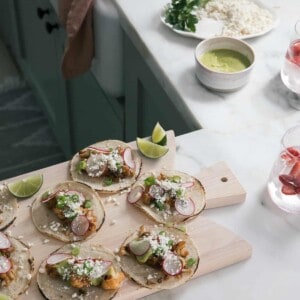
{"x":290,"y":72}
{"x":284,"y":180}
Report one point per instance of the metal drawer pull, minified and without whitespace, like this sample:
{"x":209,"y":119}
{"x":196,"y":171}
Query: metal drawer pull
{"x":42,"y":12}
{"x":51,"y":26}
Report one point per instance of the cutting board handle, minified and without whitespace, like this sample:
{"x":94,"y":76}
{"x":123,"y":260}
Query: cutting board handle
{"x":221,"y":186}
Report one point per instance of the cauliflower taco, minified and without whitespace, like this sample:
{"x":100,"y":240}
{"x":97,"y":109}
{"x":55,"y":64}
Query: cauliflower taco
{"x":8,"y":207}
{"x":80,"y":270}
{"x":71,"y":211}
{"x":107,"y":166}
{"x":16,"y":266}
{"x":159,"y":257}
{"x":168,"y":196}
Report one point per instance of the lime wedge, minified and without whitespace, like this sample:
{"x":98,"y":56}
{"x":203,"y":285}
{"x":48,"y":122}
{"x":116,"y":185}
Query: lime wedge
{"x":159,"y":135}
{"x":150,"y":149}
{"x":26,"y":187}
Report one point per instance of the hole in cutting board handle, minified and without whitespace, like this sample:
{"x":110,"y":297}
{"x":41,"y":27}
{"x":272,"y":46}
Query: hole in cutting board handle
{"x":224,"y":179}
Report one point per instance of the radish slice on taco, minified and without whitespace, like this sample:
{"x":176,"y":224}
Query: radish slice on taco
{"x":16,"y":266}
{"x":70,"y":211}
{"x":8,"y":207}
{"x":168,"y":196}
{"x":108,"y":166}
{"x":92,"y":273}
{"x":159,"y":257}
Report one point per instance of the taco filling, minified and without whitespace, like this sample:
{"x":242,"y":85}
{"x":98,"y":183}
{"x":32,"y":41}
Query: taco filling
{"x":111,"y":164}
{"x":7,"y":269}
{"x":165,"y":195}
{"x":16,"y":266}
{"x":73,"y":209}
{"x":83,"y":273}
{"x":162,"y":251}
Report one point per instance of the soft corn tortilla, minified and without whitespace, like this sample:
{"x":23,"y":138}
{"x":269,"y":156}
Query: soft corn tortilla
{"x":42,"y":216}
{"x":96,"y":182}
{"x":140,"y":272}
{"x":23,"y":263}
{"x":56,"y":288}
{"x":8,"y":207}
{"x":196,"y":193}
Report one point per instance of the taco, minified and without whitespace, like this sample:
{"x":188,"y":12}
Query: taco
{"x":8,"y":207}
{"x":90,"y":272}
{"x":71,"y":211}
{"x":168,"y":196}
{"x":16,"y":266}
{"x":107,"y":166}
{"x":159,"y":257}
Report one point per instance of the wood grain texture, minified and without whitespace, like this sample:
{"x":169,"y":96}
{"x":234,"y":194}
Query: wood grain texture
{"x":218,"y":247}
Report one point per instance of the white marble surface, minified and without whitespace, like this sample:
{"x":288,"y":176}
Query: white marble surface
{"x":242,"y":128}
{"x":171,"y":58}
{"x":273,"y":270}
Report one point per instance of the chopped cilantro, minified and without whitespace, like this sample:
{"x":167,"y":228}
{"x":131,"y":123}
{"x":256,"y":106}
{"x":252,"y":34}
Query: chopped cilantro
{"x":88,"y":204}
{"x":107,"y":181}
{"x":179,"y":193}
{"x":159,"y":205}
{"x":170,"y":243}
{"x":149,"y":181}
{"x":176,"y":179}
{"x":45,"y":195}
{"x":81,"y":166}
{"x":118,"y":165}
{"x":75,"y":251}
{"x":162,"y":233}
{"x":190,"y":262}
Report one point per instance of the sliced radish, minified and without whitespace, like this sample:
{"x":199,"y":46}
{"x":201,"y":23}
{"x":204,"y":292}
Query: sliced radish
{"x":188,"y":184}
{"x":80,"y":225}
{"x":80,"y":196}
{"x":127,"y":156}
{"x":156,"y":191}
{"x":185,"y":207}
{"x":5,"y":264}
{"x":139,"y":247}
{"x":135,"y":194}
{"x":101,"y":150}
{"x":172,"y":265}
{"x":286,"y":179}
{"x":4,"y":241}
{"x":57,"y":258}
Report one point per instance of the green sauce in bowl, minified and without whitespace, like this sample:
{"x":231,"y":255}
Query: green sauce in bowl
{"x":224,"y":60}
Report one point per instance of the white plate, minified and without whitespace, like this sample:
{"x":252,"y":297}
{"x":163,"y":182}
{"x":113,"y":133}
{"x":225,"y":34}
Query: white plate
{"x":207,"y":28}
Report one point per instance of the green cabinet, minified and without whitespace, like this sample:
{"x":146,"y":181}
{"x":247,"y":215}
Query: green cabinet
{"x":78,"y":110}
{"x":41,"y":50}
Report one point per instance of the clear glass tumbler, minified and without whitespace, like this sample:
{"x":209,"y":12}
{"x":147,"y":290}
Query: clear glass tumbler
{"x":284,"y":181}
{"x":290,"y":72}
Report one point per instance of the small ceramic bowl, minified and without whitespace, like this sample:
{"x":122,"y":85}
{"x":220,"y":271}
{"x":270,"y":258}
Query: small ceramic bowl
{"x":223,"y":81}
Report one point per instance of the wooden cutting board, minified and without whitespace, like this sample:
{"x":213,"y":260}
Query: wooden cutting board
{"x":218,"y":247}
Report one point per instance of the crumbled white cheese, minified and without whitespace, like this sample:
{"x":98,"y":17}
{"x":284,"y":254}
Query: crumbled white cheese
{"x":42,"y":270}
{"x":112,"y":222}
{"x":29,"y":276}
{"x":45,"y":241}
{"x":240,"y":17}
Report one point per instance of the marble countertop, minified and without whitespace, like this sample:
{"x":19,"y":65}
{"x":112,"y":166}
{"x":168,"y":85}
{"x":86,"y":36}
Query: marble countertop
{"x":273,"y":270}
{"x":171,"y":58}
{"x":242,"y":128}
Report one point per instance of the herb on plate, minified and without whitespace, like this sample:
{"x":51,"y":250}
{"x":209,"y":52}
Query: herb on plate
{"x":181,"y":14}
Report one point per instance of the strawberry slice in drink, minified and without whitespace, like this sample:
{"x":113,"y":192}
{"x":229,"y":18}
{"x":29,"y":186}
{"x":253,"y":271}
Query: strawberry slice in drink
{"x":288,"y":189}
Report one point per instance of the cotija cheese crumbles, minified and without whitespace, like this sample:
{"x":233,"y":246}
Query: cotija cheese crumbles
{"x":240,"y":17}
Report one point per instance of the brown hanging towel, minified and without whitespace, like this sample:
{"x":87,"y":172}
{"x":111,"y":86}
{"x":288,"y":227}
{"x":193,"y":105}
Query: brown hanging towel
{"x":77,"y":17}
